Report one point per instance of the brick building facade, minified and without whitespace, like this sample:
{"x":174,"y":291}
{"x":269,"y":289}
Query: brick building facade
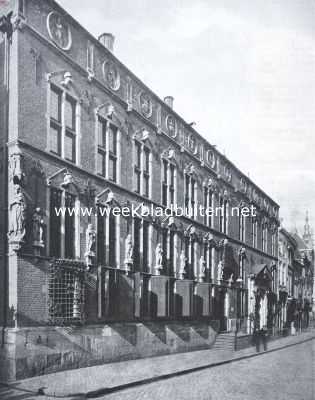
{"x":78,"y":129}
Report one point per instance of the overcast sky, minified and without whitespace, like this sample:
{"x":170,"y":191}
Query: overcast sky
{"x":243,"y":70}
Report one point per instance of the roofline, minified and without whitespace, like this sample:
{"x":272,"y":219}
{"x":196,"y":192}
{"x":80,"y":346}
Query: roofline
{"x":154,"y":95}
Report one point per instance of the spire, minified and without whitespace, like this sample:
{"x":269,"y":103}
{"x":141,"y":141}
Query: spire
{"x":307,"y":235}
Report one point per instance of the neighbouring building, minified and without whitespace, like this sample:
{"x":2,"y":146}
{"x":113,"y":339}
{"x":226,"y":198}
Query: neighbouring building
{"x":78,"y":129}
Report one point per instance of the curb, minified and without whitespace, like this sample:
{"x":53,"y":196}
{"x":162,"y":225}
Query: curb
{"x":104,"y":391}
{"x":109,"y":390}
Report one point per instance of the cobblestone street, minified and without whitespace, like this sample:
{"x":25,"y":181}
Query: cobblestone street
{"x":285,"y":374}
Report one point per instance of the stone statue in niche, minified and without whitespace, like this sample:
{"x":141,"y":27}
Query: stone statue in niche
{"x":17,"y":218}
{"x":231,"y":279}
{"x":202,"y":269}
{"x":128,"y":252}
{"x":15,"y":167}
{"x":182,"y":267}
{"x":90,"y":245}
{"x":220,"y":270}
{"x":38,"y":228}
{"x":158,"y":259}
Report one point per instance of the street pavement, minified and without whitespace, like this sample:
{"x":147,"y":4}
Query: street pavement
{"x":287,"y":374}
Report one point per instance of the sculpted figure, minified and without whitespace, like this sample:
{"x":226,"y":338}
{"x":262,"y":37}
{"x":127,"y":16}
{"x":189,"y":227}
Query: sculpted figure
{"x":90,"y":240}
{"x":182,"y":267}
{"x":202,"y":268}
{"x":159,"y":257}
{"x":128,"y":249}
{"x":38,"y":227}
{"x":220,"y":270}
{"x":17,"y":215}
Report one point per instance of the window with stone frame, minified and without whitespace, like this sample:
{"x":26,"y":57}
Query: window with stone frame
{"x":254,"y":230}
{"x":142,"y":169}
{"x":63,"y":224}
{"x":141,"y":247}
{"x":208,"y":258}
{"x":107,"y":149}
{"x":264,"y":236}
{"x":106,"y":237}
{"x":241,"y":226}
{"x":63,"y":124}
{"x":208,"y":206}
{"x":66,"y":292}
{"x":223,"y":215}
{"x":190,"y":194}
{"x":168,"y":183}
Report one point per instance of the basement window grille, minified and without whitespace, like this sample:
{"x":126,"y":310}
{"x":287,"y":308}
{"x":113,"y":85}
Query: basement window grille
{"x":66,"y":292}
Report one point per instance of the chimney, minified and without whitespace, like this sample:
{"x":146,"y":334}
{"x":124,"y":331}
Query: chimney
{"x":107,"y":40}
{"x":169,"y":100}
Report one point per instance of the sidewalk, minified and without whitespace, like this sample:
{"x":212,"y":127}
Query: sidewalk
{"x":92,"y":381}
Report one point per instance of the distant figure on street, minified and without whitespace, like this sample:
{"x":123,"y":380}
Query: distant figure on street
{"x":260,"y":338}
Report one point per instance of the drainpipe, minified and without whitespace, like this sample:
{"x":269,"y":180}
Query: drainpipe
{"x":7,"y":28}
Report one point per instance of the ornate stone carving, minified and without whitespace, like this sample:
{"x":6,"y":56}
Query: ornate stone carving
{"x":17,"y":219}
{"x":158,"y":259}
{"x":16,"y":174}
{"x":202,"y":269}
{"x":220,"y":271}
{"x":90,"y":238}
{"x":59,"y":30}
{"x":171,"y":125}
{"x":182,"y":265}
{"x":145,"y":104}
{"x":128,"y":253}
{"x":38,"y":228}
{"x":111,"y":75}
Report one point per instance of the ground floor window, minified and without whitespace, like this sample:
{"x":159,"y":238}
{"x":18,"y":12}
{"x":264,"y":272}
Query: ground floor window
{"x":66,"y":292}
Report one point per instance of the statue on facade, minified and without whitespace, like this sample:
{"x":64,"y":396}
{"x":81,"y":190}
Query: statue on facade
{"x":38,"y":228}
{"x":182,"y":265}
{"x":231,"y":279}
{"x":202,"y":269}
{"x":90,"y":241}
{"x":220,"y":270}
{"x":17,"y":217}
{"x":15,"y":167}
{"x":128,"y":252}
{"x":158,"y":259}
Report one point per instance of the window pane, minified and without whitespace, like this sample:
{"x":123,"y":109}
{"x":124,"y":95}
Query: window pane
{"x":69,"y":228}
{"x":138,"y":155}
{"x":172,"y":168}
{"x":70,"y":147}
{"x":70,"y":113}
{"x":146,"y":186}
{"x":112,"y":134}
{"x":102,"y":133}
{"x":164,"y":171}
{"x":112,"y":169}
{"x":164,"y":194}
{"x":146,"y":160}
{"x":55,"y":104}
{"x":55,"y":224}
{"x":137,"y":177}
{"x":55,"y":139}
{"x":101,"y":170}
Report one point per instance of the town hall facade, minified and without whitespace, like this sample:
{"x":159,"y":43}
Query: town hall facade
{"x":79,"y":130}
